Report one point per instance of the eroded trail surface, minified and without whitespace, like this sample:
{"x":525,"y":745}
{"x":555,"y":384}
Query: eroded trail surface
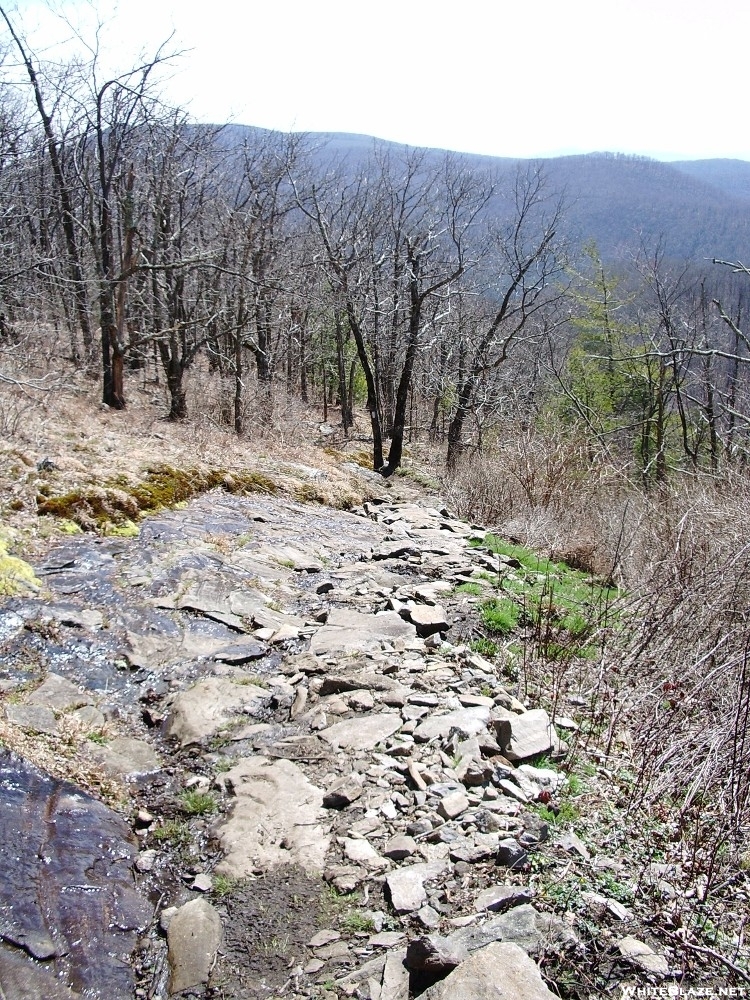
{"x":325,"y":787}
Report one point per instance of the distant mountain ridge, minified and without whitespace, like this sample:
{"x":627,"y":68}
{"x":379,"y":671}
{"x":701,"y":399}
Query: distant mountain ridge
{"x":697,"y":209}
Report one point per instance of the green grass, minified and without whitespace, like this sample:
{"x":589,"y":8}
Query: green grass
{"x":475,"y":589}
{"x":197,"y":803}
{"x":500,"y":615}
{"x":225,"y":885}
{"x":485,"y":647}
{"x":357,"y":922}
{"x":562,"y":608}
{"x":174,"y":832}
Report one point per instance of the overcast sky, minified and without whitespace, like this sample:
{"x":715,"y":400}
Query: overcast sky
{"x":662,"y":78}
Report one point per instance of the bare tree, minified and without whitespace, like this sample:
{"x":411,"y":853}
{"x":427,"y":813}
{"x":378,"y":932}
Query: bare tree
{"x":522,"y":258}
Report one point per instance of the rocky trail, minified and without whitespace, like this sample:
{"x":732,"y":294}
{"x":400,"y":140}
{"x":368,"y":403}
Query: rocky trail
{"x":316,"y":789}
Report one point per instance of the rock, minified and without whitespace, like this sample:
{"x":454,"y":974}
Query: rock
{"x":407,"y":885}
{"x":395,"y":982}
{"x":511,"y":854}
{"x":468,"y":721}
{"x":125,"y":757}
{"x":326,"y":936}
{"x":428,"y":619}
{"x":396,"y":550}
{"x":496,"y":972}
{"x":343,"y":792}
{"x":336,"y":952}
{"x":241,"y":652}
{"x":481,"y":847}
{"x":526,"y":735}
{"x":347,"y":631}
{"x":346,"y":878}
{"x":503,"y":897}
{"x":603,"y":904}
{"x":363,"y":732}
{"x":428,"y":917}
{"x":33,"y":718}
{"x":360,"y":701}
{"x":21,"y":979}
{"x":573,"y":844}
{"x":58,"y":695}
{"x":277,"y":818}
{"x":193,"y":939}
{"x":639,"y":953}
{"x":203,"y":709}
{"x":533,"y":780}
{"x":89,"y":717}
{"x":435,"y":954}
{"x":66,"y":885}
{"x":535,"y":831}
{"x":361,"y":852}
{"x":400,"y":847}
{"x":453,"y":805}
{"x":146,"y":860}
{"x":202,"y":882}
{"x":385,"y":939}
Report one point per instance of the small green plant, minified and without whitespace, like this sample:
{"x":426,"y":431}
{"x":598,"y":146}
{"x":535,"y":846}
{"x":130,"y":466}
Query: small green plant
{"x":485,"y":647}
{"x":98,"y":736}
{"x":500,"y":615}
{"x":225,"y":885}
{"x":174,"y":832}
{"x":475,"y":589}
{"x":196,"y":803}
{"x":250,"y":679}
{"x":357,"y":922}
{"x":565,"y":814}
{"x":276,"y":945}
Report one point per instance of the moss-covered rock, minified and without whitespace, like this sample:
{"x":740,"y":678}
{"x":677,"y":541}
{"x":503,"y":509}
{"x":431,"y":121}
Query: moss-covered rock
{"x":16,"y":576}
{"x":115,"y":506}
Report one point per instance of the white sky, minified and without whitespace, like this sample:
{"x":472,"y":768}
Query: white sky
{"x":663,"y":78}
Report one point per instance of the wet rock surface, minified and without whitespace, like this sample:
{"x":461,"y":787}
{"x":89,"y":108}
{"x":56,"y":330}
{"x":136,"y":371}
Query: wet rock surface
{"x":306,"y":747}
{"x":67,"y":897}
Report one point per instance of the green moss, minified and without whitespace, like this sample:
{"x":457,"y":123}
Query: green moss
{"x":114,"y":507}
{"x":16,"y":576}
{"x":125,"y":530}
{"x":68,"y":527}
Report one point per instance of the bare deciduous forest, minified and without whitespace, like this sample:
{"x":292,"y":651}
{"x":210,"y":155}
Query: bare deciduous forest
{"x":444,"y":319}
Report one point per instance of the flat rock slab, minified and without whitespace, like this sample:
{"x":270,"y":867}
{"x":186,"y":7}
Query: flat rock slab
{"x":526,"y":735}
{"x":639,"y":953}
{"x":202,"y":710}
{"x":277,"y":818}
{"x":193,"y":937}
{"x":428,"y":619}
{"x":21,"y":979}
{"x":58,"y":694}
{"x":363,"y":732}
{"x":496,"y":972}
{"x":35,"y":718}
{"x":78,"y":911}
{"x":468,"y":721}
{"x":126,"y":758}
{"x":347,"y":630}
{"x":407,"y":885}
{"x":522,"y":925}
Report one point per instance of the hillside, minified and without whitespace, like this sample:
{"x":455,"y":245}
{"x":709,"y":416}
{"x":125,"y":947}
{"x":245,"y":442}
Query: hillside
{"x":699,"y":210}
{"x":337,"y":739}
